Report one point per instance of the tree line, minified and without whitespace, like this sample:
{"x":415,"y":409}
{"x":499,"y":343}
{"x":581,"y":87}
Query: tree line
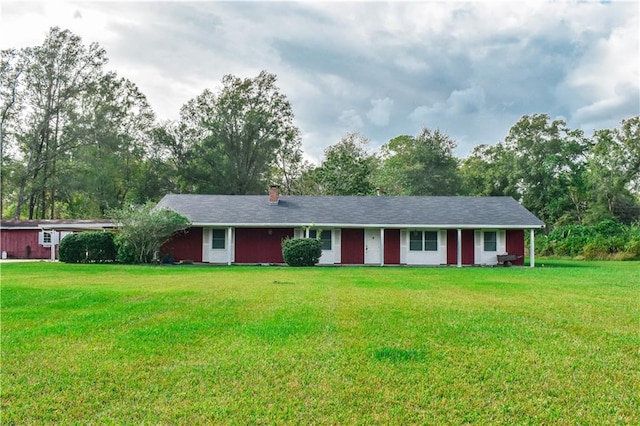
{"x":78,"y":141}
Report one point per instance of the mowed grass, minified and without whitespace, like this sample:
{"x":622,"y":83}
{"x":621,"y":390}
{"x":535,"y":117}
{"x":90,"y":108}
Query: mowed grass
{"x":95,"y":344}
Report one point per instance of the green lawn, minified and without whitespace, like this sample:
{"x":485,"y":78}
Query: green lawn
{"x":111,"y":344}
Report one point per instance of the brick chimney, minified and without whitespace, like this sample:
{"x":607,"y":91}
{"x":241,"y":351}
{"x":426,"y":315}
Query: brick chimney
{"x":274,"y":194}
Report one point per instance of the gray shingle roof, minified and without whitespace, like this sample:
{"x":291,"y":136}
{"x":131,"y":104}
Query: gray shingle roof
{"x":255,"y":210}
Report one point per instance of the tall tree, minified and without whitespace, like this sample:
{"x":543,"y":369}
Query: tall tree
{"x":614,"y":173}
{"x":549,"y":167}
{"x":162,"y":166}
{"x":237,"y":137}
{"x":420,"y":165}
{"x":110,"y":129}
{"x":55,"y":74}
{"x":12,"y":67}
{"x":488,"y":171}
{"x":346,"y":169}
{"x":288,"y":165}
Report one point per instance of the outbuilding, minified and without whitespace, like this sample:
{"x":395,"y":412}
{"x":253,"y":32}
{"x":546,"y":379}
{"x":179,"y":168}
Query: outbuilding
{"x":354,"y":230}
{"x":38,"y":239}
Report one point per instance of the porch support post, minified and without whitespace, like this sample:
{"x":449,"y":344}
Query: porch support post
{"x":229,"y":244}
{"x":53,"y":245}
{"x":306,"y":232}
{"x":381,"y":246}
{"x":532,"y":244}
{"x":459,"y":251}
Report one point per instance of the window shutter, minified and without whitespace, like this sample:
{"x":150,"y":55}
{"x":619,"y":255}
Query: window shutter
{"x":501,"y":246}
{"x":206,"y":243}
{"x":403,"y":246}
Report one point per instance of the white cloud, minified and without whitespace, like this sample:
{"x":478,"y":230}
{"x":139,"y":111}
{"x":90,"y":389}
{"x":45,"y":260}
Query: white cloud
{"x":612,"y":107}
{"x":466,"y":101}
{"x":380,"y":112}
{"x":351,"y":119}
{"x":411,"y":63}
{"x":379,"y":68}
{"x":30,"y":22}
{"x":606,"y":80}
{"x":460,"y":103}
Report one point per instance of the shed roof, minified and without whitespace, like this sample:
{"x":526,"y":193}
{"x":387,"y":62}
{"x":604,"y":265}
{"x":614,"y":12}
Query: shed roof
{"x":352,"y":211}
{"x":57,"y":224}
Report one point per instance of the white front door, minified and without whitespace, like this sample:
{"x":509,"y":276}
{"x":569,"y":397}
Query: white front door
{"x":372,"y":246}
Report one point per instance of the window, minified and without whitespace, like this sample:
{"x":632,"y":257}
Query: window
{"x":490,"y":241}
{"x":217,"y":240}
{"x":431,"y":240}
{"x":47,"y":238}
{"x":325,"y":237}
{"x":415,"y":240}
{"x":423,"y":240}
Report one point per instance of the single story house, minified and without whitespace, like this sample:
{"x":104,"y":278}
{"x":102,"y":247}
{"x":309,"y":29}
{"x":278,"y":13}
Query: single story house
{"x":354,"y":230}
{"x":37,"y":239}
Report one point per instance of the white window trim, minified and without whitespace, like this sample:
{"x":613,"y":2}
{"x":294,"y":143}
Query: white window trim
{"x":484,"y":241}
{"x":224,"y":233}
{"x":53,"y":238}
{"x":423,"y":241}
{"x":323,"y":232}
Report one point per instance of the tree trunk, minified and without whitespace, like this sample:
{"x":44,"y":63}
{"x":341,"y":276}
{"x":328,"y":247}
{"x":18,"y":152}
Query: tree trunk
{"x":52,"y":203}
{"x":32,"y":205}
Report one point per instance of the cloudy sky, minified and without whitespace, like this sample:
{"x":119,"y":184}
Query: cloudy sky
{"x":470,"y":69}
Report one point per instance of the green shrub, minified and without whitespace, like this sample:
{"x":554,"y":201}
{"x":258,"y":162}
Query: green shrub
{"x":608,"y":239}
{"x":609,"y":228}
{"x":301,"y":251}
{"x":632,"y":247}
{"x":100,"y":246}
{"x":88,"y":247}
{"x":569,"y":240}
{"x":72,"y":249}
{"x":144,"y":230}
{"x":125,"y":251}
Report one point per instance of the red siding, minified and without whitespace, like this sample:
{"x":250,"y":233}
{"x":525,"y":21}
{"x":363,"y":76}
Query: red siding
{"x":260,"y":245}
{"x":352,"y":249}
{"x":187,"y":246}
{"x":452,"y":247}
{"x":392,"y":246}
{"x":468,"y":247}
{"x":515,"y":244}
{"x":15,"y":242}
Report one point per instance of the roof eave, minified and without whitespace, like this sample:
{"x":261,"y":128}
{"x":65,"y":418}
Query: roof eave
{"x":365,"y":225}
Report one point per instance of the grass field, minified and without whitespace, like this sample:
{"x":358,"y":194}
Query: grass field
{"x":112,"y":344}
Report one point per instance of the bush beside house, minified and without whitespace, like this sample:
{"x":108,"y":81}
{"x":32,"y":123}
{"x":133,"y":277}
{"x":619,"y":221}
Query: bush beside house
{"x":143,"y":231}
{"x":301,"y":251}
{"x":88,"y":247}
